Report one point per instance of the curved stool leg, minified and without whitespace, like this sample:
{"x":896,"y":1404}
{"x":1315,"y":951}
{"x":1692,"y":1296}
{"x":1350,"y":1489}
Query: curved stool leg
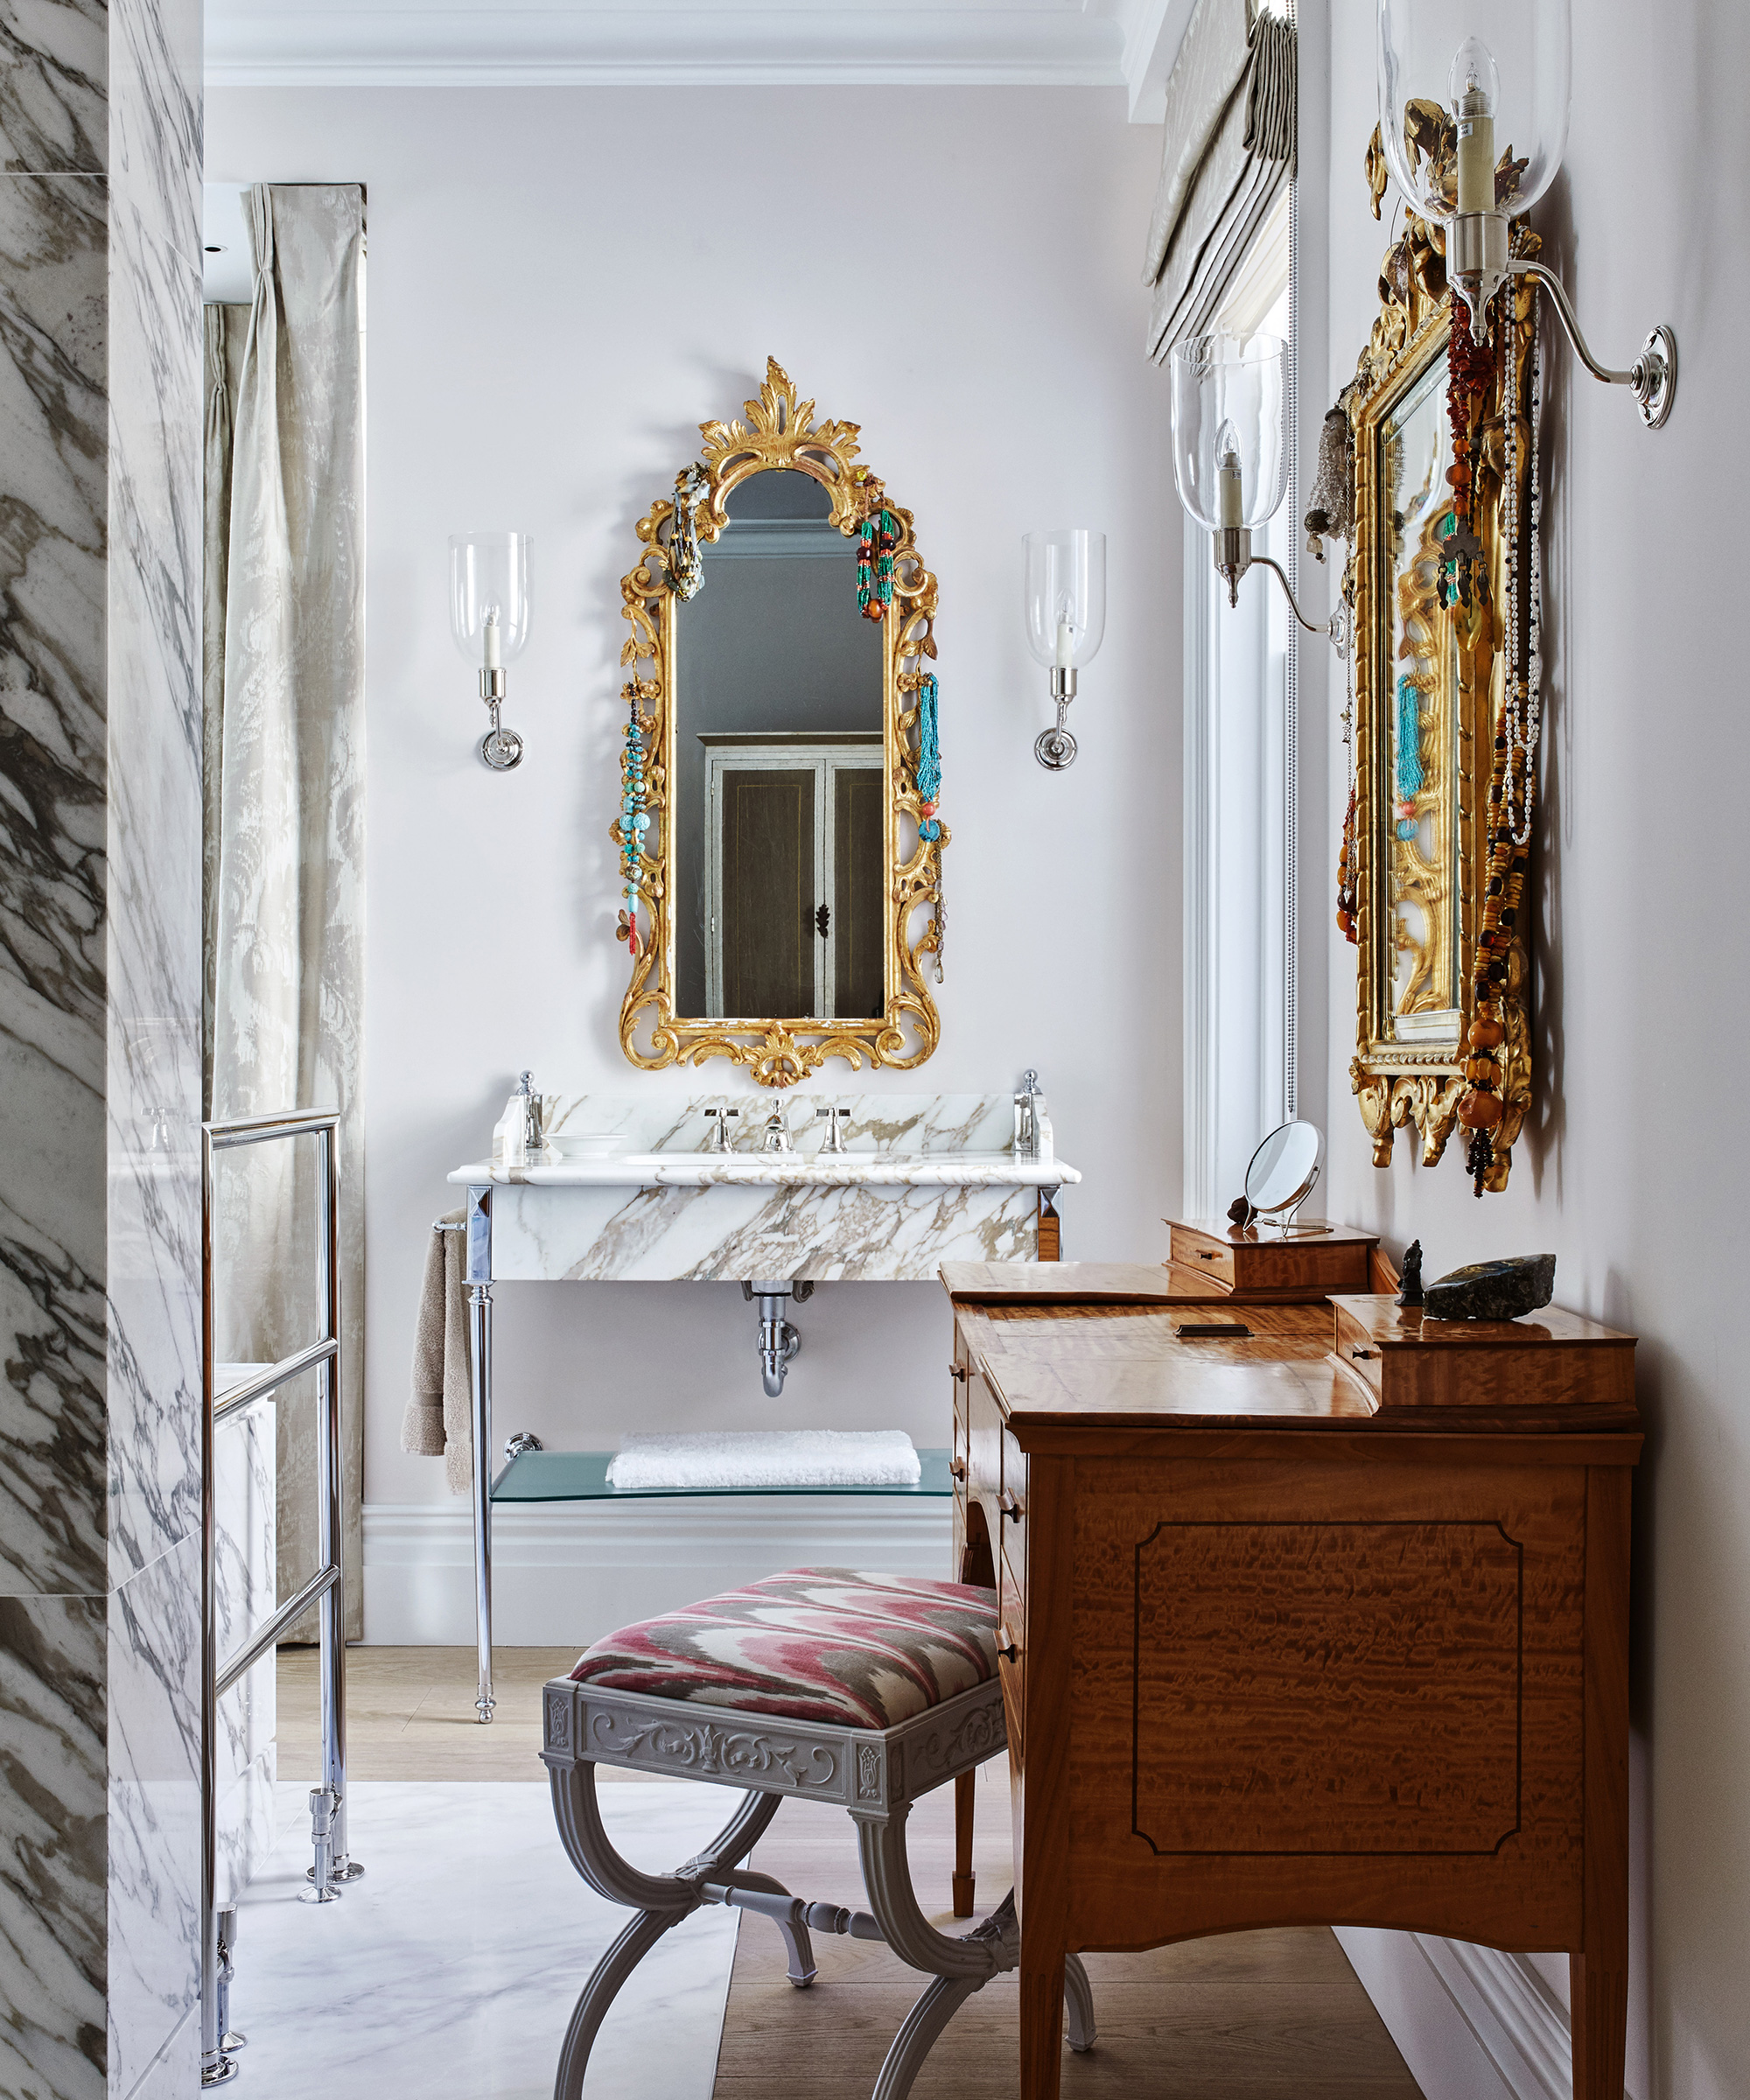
{"x":1078,"y":2003}
{"x":587,"y":2015}
{"x":661,"y":1901}
{"x":918,"y":2033}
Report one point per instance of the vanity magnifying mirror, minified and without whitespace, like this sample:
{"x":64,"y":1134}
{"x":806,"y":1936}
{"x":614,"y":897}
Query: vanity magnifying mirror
{"x":1444,"y":606}
{"x":779,"y":848}
{"x":1282,"y":1173}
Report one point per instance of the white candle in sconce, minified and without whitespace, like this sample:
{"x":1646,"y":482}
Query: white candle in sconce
{"x":1475,"y":87}
{"x":1065,"y":642}
{"x":1233,"y":506}
{"x":490,"y":630}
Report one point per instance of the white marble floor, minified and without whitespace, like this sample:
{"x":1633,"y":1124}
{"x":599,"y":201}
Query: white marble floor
{"x":452,"y":1967}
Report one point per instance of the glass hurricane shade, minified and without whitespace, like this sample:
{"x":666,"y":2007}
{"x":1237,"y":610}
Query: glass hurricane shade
{"x":1497,"y":71}
{"x":1230,"y":447}
{"x":1065,"y":597}
{"x":489,"y":580}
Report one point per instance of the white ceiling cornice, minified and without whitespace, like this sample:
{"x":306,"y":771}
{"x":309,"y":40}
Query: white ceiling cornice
{"x":1049,"y":43}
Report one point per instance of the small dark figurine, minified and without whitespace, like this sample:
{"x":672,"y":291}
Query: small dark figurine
{"x":1241,"y":1212}
{"x":1410,"y":1283}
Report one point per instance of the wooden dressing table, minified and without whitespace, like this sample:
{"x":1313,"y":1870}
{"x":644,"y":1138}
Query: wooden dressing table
{"x":1326,"y":1623}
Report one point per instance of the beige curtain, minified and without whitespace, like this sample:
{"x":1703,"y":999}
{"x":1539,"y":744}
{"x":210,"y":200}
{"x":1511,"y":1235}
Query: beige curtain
{"x":1230,"y":133}
{"x":283,"y":668}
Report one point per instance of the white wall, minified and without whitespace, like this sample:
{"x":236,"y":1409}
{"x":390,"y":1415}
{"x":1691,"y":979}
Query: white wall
{"x":1636,"y":1154}
{"x":562,"y":284}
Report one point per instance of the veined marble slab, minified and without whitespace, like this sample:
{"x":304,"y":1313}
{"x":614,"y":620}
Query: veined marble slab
{"x":925,"y":1179}
{"x":452,"y":1967}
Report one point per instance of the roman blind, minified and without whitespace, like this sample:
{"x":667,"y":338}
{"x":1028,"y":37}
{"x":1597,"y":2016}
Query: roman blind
{"x":1230,"y":130}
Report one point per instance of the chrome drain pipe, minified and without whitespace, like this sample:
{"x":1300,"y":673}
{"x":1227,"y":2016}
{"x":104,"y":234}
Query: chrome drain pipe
{"x":779,"y":1340}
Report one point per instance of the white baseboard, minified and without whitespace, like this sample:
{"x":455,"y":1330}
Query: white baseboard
{"x":1472,"y":2023}
{"x":564,"y":1573}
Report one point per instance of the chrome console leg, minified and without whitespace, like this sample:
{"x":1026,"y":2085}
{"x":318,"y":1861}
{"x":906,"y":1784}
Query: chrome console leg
{"x":480,"y":1349}
{"x":478,"y":1271}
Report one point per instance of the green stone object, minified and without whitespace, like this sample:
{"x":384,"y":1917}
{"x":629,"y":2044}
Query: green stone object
{"x":1502,"y":1290}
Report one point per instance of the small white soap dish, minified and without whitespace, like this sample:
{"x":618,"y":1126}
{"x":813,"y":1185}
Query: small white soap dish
{"x":586,"y":1144}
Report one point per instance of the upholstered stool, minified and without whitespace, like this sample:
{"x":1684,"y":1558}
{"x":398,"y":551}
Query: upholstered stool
{"x":868,"y":1691}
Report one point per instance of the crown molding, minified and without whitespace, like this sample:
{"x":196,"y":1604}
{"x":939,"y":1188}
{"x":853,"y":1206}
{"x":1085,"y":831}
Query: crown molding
{"x":290,"y":44}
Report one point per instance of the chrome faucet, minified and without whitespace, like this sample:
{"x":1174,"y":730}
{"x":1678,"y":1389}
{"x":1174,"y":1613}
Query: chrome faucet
{"x":1027,"y":1116}
{"x":835,"y":1119}
{"x":719,"y":1121}
{"x":777,"y":1138}
{"x":533,"y":1111}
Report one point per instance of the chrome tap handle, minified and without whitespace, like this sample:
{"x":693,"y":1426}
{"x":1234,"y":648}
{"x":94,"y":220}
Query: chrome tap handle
{"x":719,"y":1121}
{"x":834,"y":1140}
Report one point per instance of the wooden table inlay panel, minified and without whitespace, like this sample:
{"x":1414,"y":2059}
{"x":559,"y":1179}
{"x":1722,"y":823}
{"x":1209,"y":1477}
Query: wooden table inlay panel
{"x":1326,"y":1687}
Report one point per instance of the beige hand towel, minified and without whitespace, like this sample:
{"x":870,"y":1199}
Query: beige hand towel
{"x":438,"y":1423}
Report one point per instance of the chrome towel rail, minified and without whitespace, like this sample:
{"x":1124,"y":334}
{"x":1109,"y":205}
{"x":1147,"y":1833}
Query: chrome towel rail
{"x":326,"y":1590}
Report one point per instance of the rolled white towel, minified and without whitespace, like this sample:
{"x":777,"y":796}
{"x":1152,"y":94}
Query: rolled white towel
{"x":767,"y":1458}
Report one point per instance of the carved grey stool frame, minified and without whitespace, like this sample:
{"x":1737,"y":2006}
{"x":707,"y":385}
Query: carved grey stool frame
{"x":876,"y":1773}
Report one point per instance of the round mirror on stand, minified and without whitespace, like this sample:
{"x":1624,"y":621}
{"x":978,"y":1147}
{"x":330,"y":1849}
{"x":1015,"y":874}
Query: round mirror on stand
{"x":1281,"y":1177}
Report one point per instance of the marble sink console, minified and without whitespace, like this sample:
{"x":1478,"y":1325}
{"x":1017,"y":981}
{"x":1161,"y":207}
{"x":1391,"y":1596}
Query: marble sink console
{"x":923,"y":1178}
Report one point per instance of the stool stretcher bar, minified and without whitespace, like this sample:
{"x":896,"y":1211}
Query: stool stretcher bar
{"x":326,"y":1590}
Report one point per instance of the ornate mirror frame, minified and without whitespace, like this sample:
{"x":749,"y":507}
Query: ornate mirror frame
{"x":780,"y":431}
{"x":1402,"y":1082}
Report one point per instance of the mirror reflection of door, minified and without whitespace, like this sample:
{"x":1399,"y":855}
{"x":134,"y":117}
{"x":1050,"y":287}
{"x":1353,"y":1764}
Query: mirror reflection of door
{"x":793,"y":900}
{"x":781,"y":789}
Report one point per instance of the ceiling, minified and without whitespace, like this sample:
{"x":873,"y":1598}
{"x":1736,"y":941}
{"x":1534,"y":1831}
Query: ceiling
{"x":1126,"y":43}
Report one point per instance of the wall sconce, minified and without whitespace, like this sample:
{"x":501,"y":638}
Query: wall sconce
{"x":1458,"y":84}
{"x":1066,"y":614}
{"x":489,"y":619}
{"x":1230,"y":453}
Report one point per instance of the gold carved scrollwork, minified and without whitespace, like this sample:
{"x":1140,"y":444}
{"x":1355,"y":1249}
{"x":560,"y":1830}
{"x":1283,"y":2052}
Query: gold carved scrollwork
{"x":780,"y":431}
{"x":1398,"y":1083}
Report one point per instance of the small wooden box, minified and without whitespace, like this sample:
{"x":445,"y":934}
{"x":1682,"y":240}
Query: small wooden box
{"x":1296,"y":1267}
{"x":1552,"y":1368}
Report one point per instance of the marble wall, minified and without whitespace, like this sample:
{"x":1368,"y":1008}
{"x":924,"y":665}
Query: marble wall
{"x":100,"y":929}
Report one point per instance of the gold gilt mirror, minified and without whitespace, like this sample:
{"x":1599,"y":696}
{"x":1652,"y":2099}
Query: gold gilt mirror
{"x":1431,"y":665}
{"x":780,"y":848}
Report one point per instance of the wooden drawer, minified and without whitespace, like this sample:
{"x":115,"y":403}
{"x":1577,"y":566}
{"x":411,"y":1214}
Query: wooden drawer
{"x":1012,"y":1655}
{"x":1012,"y":1505}
{"x":984,"y":1458}
{"x":1357,"y":1348}
{"x":1206,"y":1256}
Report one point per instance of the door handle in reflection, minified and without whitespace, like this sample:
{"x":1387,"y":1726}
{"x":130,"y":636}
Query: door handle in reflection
{"x":1011,"y":1505}
{"x":957,"y":1468}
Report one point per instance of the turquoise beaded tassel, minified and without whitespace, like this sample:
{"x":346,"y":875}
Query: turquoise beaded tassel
{"x":929,"y":761}
{"x":877,"y":538}
{"x":1408,"y":756}
{"x":634,"y":822}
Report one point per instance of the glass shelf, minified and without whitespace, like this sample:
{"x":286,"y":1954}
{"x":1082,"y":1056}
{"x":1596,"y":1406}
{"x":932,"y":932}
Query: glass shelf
{"x":581,"y":1476}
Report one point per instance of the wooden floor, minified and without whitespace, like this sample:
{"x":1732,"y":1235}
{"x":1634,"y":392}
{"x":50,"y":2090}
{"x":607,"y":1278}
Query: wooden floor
{"x":410,"y":1713}
{"x":1251,"y":2016}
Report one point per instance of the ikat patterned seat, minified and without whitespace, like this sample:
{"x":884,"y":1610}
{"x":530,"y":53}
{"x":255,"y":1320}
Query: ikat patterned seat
{"x":812,"y":1644}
